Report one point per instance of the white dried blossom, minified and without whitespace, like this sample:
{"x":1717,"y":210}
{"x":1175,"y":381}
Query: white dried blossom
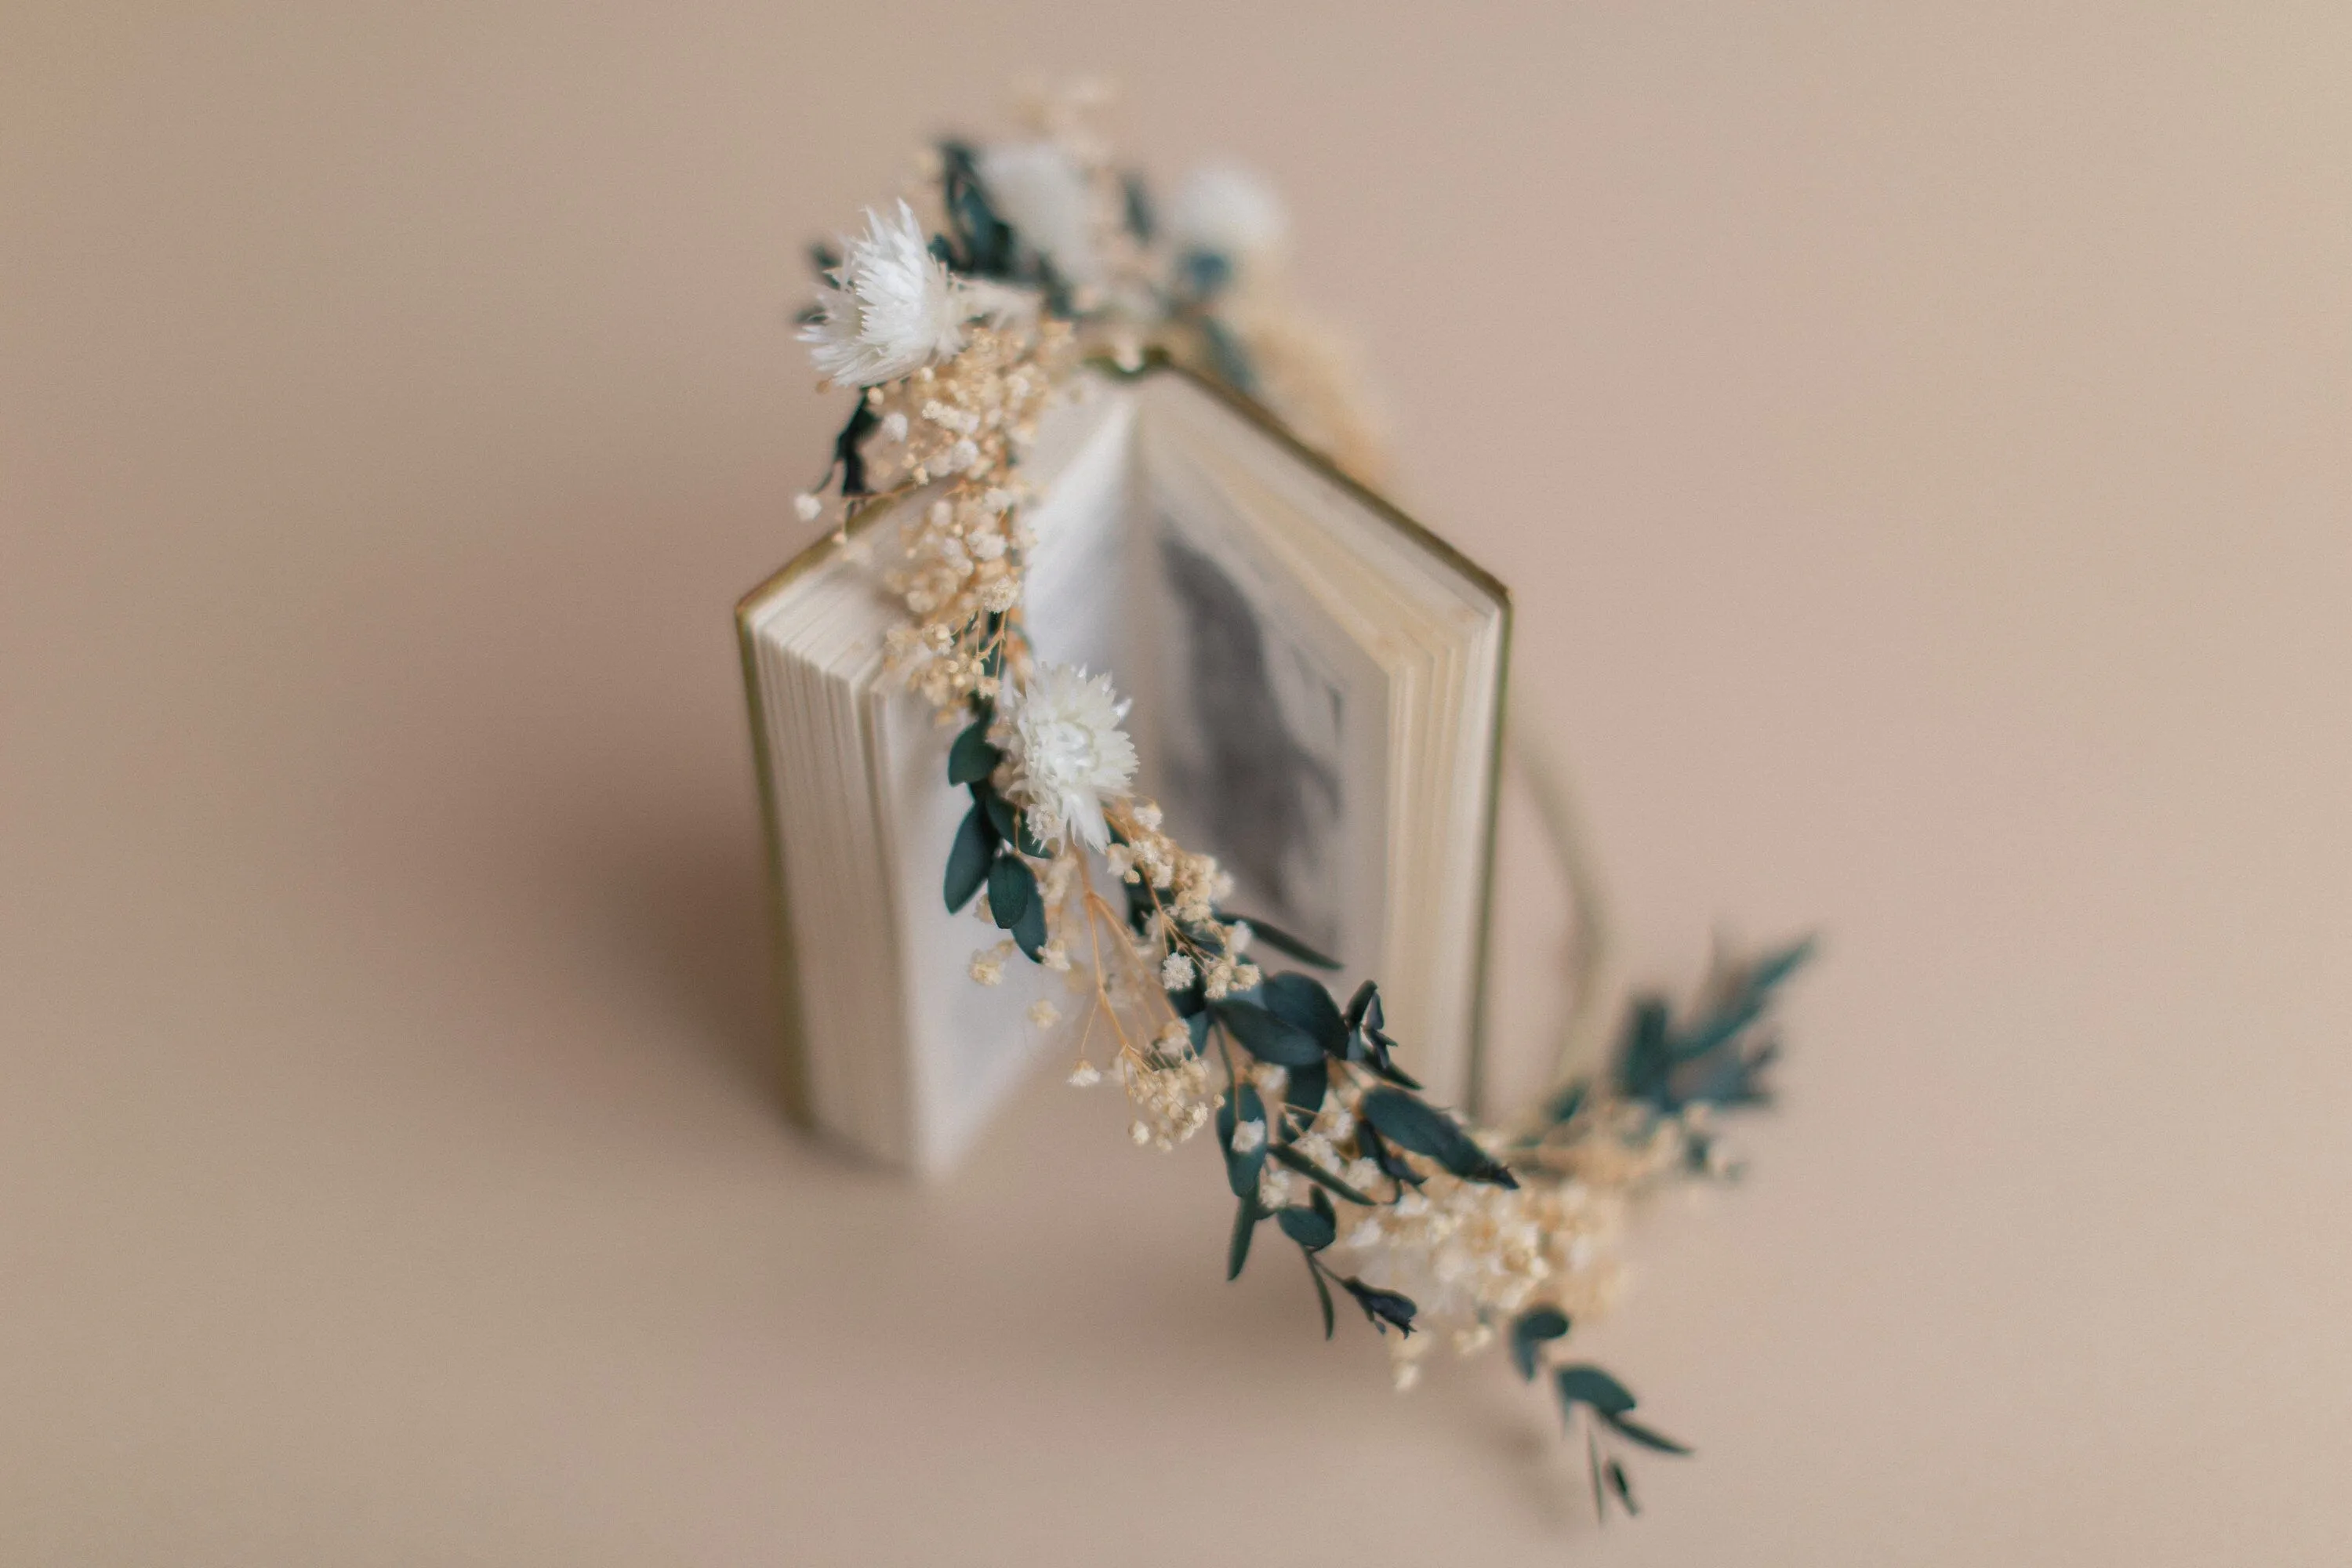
{"x":1085,"y":1075}
{"x":894,"y":425}
{"x":1043,"y":1013}
{"x":1248,"y":1135}
{"x":1065,"y":752}
{"x":1175,"y":972}
{"x":895,"y":308}
{"x":1229,"y":211}
{"x":807,"y":507}
{"x":988,"y":966}
{"x":1047,"y":199}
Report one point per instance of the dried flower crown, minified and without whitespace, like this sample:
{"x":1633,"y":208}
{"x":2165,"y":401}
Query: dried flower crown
{"x":1045,"y":255}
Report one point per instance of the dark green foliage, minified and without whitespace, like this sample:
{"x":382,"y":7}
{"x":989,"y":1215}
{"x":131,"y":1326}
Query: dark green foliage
{"x":1268,"y":1036}
{"x":1305,"y":1095}
{"x":1374,"y":1053}
{"x":1242,"y":1170}
{"x":980,"y":242}
{"x":1588,"y":1385}
{"x":1376,"y":1149}
{"x":1409,"y":1124}
{"x":971,"y":758}
{"x":1300,"y":999}
{"x":1529,"y":1331}
{"x":1013,"y":899}
{"x":848,"y":454}
{"x":1012,"y":888}
{"x":1322,"y":1292}
{"x":1716,"y":1059}
{"x":1313,"y":1228}
{"x":824,"y":258}
{"x":1627,"y":1426}
{"x":1136,"y":208}
{"x":1010,"y":824}
{"x":1227,"y":357}
{"x":1383,"y":1308}
{"x":1610,"y":1402}
{"x":1623,"y":1487}
{"x":1029,"y":930}
{"x":1246,"y":1218}
{"x":1203,"y":275}
{"x":975,"y":846}
{"x":1364,"y":1041}
{"x":1283,"y":942}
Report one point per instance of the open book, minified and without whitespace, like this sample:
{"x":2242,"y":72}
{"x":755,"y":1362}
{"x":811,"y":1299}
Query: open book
{"x":1317,"y":687}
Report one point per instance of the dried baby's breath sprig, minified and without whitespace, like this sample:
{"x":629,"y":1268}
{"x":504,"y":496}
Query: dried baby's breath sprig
{"x":1044,"y":254}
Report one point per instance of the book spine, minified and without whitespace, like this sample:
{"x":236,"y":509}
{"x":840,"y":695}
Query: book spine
{"x":792,"y":1042}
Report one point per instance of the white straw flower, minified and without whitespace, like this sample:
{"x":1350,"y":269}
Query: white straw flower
{"x":1067,"y":752}
{"x":896,"y":309}
{"x":1046,"y":197}
{"x":1228,"y":211}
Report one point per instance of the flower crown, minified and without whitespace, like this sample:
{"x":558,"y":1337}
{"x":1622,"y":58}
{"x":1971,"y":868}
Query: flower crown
{"x":1045,"y":255}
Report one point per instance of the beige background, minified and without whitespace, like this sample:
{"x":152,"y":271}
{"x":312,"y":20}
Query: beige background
{"x":1917,"y":436}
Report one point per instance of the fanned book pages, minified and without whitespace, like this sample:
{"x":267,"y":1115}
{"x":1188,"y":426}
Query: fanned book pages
{"x":1317,"y":690}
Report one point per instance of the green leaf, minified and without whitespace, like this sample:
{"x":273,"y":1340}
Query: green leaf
{"x":1322,"y":1290}
{"x":1012,"y":889}
{"x":1770,"y":971}
{"x":1623,"y":1487}
{"x":1029,"y":930}
{"x":1643,"y":1434}
{"x":1245,"y":1220}
{"x":1242,"y":1170}
{"x":1267,"y":1037}
{"x":971,"y":758}
{"x":975,"y":845}
{"x":1007,"y":819}
{"x":1309,"y":1229}
{"x":1304,"y":1094}
{"x":1364,"y":1007}
{"x":1226,"y":356}
{"x":1384,"y":1308}
{"x":1300,"y":999}
{"x":1276,"y":937}
{"x":1284,"y":1154}
{"x":1373,"y":1047}
{"x":848,"y":449}
{"x":1409,"y":1124}
{"x":1587,"y":1385}
{"x":1135,"y":206}
{"x":1528,"y":1333}
{"x":1393,"y":1166}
